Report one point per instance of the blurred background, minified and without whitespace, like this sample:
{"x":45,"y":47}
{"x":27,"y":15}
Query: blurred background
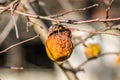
{"x":32,"y":55}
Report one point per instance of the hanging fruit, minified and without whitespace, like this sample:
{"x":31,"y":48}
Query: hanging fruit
{"x":92,"y":50}
{"x":59,"y":45}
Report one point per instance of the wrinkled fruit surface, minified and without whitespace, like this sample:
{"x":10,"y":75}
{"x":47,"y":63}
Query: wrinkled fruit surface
{"x":59,"y":45}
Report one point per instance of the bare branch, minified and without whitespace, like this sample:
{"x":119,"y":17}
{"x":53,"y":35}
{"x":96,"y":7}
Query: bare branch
{"x":107,"y":13}
{"x":88,"y":60}
{"x":97,"y":20}
{"x":16,"y":29}
{"x":98,"y":32}
{"x":7,"y":7}
{"x":89,"y":36}
{"x":19,"y":43}
{"x":69,"y":71}
{"x":13,"y":6}
{"x":7,"y":29}
{"x":108,"y":9}
{"x":67,"y":21}
{"x":40,"y":31}
{"x":27,"y":24}
{"x":74,"y":10}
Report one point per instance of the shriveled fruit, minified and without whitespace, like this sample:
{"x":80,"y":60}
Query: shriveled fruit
{"x":59,"y":45}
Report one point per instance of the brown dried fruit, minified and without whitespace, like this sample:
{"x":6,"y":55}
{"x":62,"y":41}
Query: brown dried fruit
{"x":59,"y":45}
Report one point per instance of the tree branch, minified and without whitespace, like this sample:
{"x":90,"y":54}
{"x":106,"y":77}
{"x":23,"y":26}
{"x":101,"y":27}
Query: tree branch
{"x":18,"y":44}
{"x":74,"y":10}
{"x":8,"y":7}
{"x":7,"y":29}
{"x":66,"y":21}
{"x":88,"y":60}
{"x":40,"y":31}
{"x":69,"y":71}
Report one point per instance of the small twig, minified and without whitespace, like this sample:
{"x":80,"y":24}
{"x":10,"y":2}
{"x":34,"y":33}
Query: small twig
{"x":74,"y":10}
{"x":19,"y":43}
{"x":27,"y":24}
{"x":74,"y":71}
{"x":7,"y":7}
{"x":67,"y":21}
{"x":98,"y":32}
{"x":69,"y":71}
{"x":88,"y":60}
{"x":12,"y":8}
{"x":90,"y":36}
{"x":7,"y":29}
{"x":97,"y":20}
{"x":107,"y":12}
{"x":16,"y":29}
{"x":107,"y":33}
{"x":108,"y":9}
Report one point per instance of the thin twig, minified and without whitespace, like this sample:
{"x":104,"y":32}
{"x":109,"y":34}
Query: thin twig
{"x":69,"y":71}
{"x":107,"y":13}
{"x":12,"y":8}
{"x":42,"y":31}
{"x":67,"y":5}
{"x":107,"y":33}
{"x":19,"y":43}
{"x":88,"y":60}
{"x":108,"y":9}
{"x":27,"y":24}
{"x":90,"y":36}
{"x":97,"y":20}
{"x":74,"y":10}
{"x":7,"y":7}
{"x":98,"y":32}
{"x":7,"y":29}
{"x":67,"y":21}
{"x":16,"y":29}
